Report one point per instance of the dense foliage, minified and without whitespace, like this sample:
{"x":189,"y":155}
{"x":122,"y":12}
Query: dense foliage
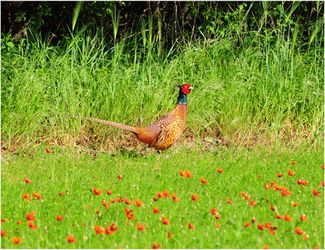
{"x":169,"y":22}
{"x":257,"y":68}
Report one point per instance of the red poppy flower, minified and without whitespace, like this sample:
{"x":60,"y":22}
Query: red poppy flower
{"x":229,"y":201}
{"x":302,"y":182}
{"x":299,"y":231}
{"x":129,"y":214}
{"x":28,"y":181}
{"x":155,"y":246}
{"x":322,"y":183}
{"x":306,"y":237}
{"x":31,"y":225}
{"x":158,"y":196}
{"x":253,"y":220}
{"x":186,"y":174}
{"x":71,"y":239}
{"x":138,"y":203}
{"x":59,"y":217}
{"x":108,"y":231}
{"x":176,"y":199}
{"x":279,"y":216}
{"x":247,"y":224}
{"x":99,"y":230}
{"x":303,"y":217}
{"x":37,"y":196}
{"x":290,"y":172}
{"x":166,"y":193}
{"x":97,"y":191}
{"x":265,"y":247}
{"x":293,"y":163}
{"x":113,"y":227}
{"x":17,"y":240}
{"x":279,"y":175}
{"x":272,"y":207}
{"x":294,"y":204}
{"x":194,"y":197}
{"x":268,"y":225}
{"x":190,"y":226}
{"x":31,"y":216}
{"x":111,"y":230}
{"x":260,"y":226}
{"x":19,"y":222}
{"x":155,"y":210}
{"x":253,"y":203}
{"x":323,"y":165}
{"x":202,"y":180}
{"x":219,"y":170}
{"x":105,"y":204}
{"x":120,"y":177}
{"x":3,"y":233}
{"x":169,"y":234}
{"x":244,"y":195}
{"x":109,"y":192}
{"x":315,"y":192}
{"x":127,"y":201}
{"x":165,"y":221}
{"x":47,"y":150}
{"x":213,"y":211}
{"x":217,"y":216}
{"x":285,"y":192}
{"x":268,"y":186}
{"x":140,"y":227}
{"x":26,"y":196}
{"x":287,"y":218}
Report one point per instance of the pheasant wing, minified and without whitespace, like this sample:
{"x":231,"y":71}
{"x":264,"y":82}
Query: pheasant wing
{"x":168,"y":134}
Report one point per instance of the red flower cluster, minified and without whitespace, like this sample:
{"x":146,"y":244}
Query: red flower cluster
{"x":111,"y":229}
{"x":216,"y":214}
{"x":267,"y":226}
{"x":274,"y":186}
{"x":129,"y":214}
{"x":204,"y":181}
{"x":165,"y":194}
{"x":165,"y":221}
{"x":28,"y":181}
{"x":16,"y":240}
{"x":97,"y":191}
{"x":186,"y":174}
{"x":37,"y":196}
{"x":302,"y":182}
{"x":71,"y":239}
{"x":140,"y":227}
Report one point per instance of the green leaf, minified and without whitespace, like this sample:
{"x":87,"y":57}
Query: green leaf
{"x":76,"y":13}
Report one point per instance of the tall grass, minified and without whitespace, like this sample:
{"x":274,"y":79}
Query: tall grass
{"x":261,"y":91}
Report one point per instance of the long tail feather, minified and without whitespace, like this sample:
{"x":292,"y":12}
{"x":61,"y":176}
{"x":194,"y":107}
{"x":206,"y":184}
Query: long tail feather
{"x":109,"y":123}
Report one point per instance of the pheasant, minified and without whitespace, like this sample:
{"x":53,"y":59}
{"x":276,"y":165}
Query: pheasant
{"x":164,"y":132}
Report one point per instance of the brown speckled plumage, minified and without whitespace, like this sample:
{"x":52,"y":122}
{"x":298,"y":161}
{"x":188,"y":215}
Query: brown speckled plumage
{"x":164,"y":132}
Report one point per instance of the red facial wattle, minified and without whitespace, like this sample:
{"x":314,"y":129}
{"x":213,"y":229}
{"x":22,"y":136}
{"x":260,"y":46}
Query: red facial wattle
{"x":186,"y":88}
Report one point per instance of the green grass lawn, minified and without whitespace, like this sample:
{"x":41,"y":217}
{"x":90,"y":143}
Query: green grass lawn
{"x":66,"y":181}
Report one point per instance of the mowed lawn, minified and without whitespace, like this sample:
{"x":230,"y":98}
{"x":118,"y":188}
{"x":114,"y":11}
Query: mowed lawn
{"x":230,"y":198}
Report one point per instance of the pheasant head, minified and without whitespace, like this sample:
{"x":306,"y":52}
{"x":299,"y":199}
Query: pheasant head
{"x":184,"y":90}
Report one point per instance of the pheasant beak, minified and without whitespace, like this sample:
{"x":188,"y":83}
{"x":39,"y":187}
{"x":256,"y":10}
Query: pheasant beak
{"x":191,"y":88}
